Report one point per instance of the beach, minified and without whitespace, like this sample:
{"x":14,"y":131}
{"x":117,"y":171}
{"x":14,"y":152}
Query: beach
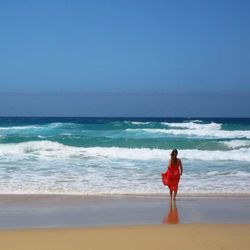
{"x":193,"y":237}
{"x":60,"y":211}
{"x":123,"y":222}
{"x":74,"y":183}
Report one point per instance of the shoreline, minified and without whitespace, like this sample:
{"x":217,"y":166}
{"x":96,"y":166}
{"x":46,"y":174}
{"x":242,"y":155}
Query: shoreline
{"x":147,"y":195}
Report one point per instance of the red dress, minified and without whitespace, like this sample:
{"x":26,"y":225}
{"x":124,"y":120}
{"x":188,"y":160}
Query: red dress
{"x":172,"y":176}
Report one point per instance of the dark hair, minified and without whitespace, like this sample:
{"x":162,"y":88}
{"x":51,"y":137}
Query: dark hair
{"x":174,"y":151}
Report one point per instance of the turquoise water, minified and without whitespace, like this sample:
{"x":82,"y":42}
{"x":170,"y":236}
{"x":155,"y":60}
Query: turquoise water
{"x":123,"y":155}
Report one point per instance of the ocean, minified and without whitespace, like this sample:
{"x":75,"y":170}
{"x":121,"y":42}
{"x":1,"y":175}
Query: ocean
{"x":106,"y":156}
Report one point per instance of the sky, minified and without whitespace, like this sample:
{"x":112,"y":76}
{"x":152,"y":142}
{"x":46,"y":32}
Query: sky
{"x":125,"y":58}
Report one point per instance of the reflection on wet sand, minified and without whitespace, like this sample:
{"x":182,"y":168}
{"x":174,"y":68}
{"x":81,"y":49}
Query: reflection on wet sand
{"x":172,"y":217}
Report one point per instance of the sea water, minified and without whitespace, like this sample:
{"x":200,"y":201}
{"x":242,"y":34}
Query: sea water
{"x":96,"y":156}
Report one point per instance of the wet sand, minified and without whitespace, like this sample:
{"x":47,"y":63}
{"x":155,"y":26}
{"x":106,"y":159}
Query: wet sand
{"x":63,"y":211}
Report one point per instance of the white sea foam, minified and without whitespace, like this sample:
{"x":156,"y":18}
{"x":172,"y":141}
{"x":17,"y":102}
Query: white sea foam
{"x":66,"y":134}
{"x":21,"y":127}
{"x":236,"y":143}
{"x":199,"y":133}
{"x":98,"y":184}
{"x":52,"y":125}
{"x":74,"y":170}
{"x":229,"y":173}
{"x":194,"y":125}
{"x":41,"y":136}
{"x":50,"y":149}
{"x":61,"y":124}
{"x":140,"y":123}
{"x":197,"y":121}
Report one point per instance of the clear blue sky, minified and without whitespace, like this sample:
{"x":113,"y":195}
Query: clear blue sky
{"x":125,"y":58}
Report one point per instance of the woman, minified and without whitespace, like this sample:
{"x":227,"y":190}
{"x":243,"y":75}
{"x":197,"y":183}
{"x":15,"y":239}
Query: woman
{"x":172,"y":176}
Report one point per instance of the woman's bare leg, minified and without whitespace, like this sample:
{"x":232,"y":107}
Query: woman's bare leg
{"x":175,"y":194}
{"x":171,"y":194}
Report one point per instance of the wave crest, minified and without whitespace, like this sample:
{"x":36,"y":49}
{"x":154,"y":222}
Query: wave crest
{"x":194,"y":125}
{"x":198,"y":133}
{"x":52,"y":150}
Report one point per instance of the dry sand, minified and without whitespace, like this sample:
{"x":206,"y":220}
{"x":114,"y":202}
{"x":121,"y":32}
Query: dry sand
{"x":174,"y":237}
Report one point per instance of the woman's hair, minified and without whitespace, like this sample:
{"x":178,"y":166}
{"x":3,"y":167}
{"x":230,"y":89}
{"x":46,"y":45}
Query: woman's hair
{"x":174,"y":151}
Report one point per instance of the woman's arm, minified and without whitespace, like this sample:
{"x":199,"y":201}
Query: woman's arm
{"x":181,"y":167}
{"x":168,"y":165}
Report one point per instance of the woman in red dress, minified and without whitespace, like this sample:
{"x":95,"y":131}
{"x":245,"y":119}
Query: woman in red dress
{"x":172,"y":176}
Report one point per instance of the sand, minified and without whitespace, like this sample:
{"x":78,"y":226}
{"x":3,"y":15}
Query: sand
{"x":66,"y":211}
{"x":174,"y":237}
{"x":121,"y":222}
